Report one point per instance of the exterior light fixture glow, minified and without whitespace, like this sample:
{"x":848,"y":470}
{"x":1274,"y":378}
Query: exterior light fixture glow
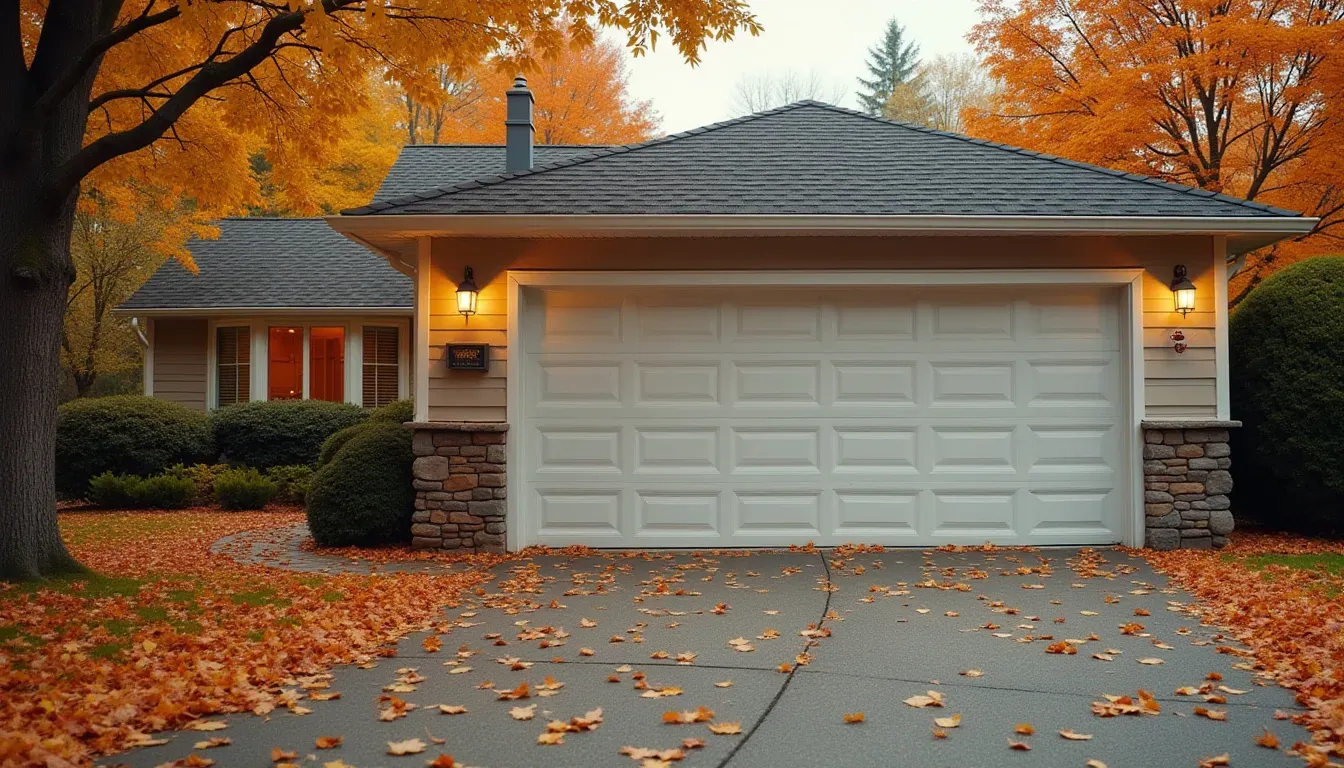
{"x":466,"y":294}
{"x":1182,"y":291}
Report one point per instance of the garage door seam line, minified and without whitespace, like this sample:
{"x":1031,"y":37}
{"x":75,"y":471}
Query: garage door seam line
{"x":825,"y":610}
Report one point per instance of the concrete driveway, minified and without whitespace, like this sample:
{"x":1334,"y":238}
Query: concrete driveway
{"x":900,"y":623}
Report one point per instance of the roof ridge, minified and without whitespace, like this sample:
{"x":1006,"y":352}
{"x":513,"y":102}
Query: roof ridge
{"x":597,"y":153}
{"x":1136,"y":177}
{"x":271,"y":218}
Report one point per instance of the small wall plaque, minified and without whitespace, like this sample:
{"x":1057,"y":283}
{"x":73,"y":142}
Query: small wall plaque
{"x":468,"y":357}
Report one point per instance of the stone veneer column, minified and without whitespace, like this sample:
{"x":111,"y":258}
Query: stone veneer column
{"x":1186,"y":480}
{"x":460,"y":496}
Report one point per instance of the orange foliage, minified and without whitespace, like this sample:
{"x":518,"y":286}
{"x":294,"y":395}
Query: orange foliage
{"x":1240,"y":97}
{"x":1291,"y":622}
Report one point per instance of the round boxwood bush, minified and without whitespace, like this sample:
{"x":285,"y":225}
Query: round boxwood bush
{"x":1287,"y":338}
{"x":271,"y":433}
{"x":397,"y":411}
{"x":364,"y":495}
{"x":125,"y":434}
{"x":338,"y":440}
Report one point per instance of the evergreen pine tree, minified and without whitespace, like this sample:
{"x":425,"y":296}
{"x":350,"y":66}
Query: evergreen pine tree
{"x":890,"y":63}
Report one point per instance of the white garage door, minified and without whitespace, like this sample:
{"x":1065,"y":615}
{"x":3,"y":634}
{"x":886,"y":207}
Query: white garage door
{"x":684,"y":417}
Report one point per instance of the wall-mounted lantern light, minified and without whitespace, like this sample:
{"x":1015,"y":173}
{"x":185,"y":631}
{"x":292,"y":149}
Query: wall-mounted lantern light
{"x":1182,"y":291}
{"x":466,"y":294}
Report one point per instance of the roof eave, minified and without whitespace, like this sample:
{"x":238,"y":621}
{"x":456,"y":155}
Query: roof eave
{"x":278,"y":311}
{"x":1243,"y":232}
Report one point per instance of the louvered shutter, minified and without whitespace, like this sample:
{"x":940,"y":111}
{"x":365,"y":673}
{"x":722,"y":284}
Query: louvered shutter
{"x":381,"y":346}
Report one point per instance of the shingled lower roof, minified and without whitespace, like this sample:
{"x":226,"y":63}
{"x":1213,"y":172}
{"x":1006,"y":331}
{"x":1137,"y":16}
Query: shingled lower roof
{"x":814,"y":159}
{"x":426,"y":166}
{"x":263,"y":263}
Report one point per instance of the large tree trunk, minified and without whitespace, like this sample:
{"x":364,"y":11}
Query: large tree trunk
{"x":35,"y":272}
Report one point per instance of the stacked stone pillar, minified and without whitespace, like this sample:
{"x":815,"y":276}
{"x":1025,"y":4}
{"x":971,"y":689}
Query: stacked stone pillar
{"x":1186,"y":481}
{"x":460,"y":478}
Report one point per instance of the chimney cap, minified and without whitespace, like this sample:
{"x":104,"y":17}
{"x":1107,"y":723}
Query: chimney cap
{"x":519,"y":82}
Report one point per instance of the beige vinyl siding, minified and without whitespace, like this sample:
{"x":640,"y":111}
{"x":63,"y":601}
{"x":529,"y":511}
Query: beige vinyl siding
{"x":1176,"y":385}
{"x":180,"y":360}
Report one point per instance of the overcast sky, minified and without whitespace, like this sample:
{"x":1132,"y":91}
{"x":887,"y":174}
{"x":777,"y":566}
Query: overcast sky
{"x":830,"y":37}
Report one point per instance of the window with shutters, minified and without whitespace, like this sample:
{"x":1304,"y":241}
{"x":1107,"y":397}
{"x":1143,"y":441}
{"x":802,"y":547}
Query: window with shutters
{"x":381,"y":346}
{"x":233,"y":358}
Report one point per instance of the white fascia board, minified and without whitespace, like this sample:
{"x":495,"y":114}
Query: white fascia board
{"x":693,"y":224}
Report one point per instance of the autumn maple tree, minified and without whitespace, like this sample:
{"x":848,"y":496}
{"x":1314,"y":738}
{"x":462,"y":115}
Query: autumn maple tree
{"x":1244,"y":97}
{"x":94,"y":93}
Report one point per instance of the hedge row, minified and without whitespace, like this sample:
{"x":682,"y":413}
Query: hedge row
{"x":144,"y":436}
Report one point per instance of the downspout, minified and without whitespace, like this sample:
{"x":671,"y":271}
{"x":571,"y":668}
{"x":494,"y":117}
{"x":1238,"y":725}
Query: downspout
{"x":139,"y":332}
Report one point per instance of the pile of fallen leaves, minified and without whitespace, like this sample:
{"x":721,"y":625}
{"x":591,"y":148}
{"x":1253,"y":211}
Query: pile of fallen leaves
{"x":167,"y":633}
{"x":1290,"y":618}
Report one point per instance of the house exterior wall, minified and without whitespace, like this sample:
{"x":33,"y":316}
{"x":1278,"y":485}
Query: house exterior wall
{"x":1175,"y":385}
{"x":179,"y":369}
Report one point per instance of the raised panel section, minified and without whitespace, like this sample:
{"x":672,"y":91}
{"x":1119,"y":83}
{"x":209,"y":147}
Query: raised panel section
{"x":1081,"y":383}
{"x":579,"y":450}
{"x":874,"y":383}
{"x":678,"y":384}
{"x":876,"y":514}
{"x":593,"y":384}
{"x":580,"y":324}
{"x":1070,"y":449}
{"x":972,"y":321}
{"x":972,"y":449}
{"x":776,"y":323}
{"x":973,"y":513}
{"x":864,"y":323}
{"x":1067,"y":511}
{"x":781,"y":450}
{"x":1084,"y":317}
{"x":668,"y":324}
{"x":776,"y":383}
{"x":674,"y":451}
{"x":876,"y":449}
{"x":579,"y":513}
{"x":972,"y":384}
{"x":790,"y":514}
{"x":676,"y":514}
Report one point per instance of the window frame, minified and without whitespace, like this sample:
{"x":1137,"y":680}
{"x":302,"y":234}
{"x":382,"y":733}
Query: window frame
{"x":259,"y":330}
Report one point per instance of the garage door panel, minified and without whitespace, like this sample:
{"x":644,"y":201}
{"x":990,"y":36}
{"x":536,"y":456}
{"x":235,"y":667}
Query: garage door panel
{"x":872,"y":515}
{"x":688,"y":383}
{"x":577,"y":513}
{"x":672,"y":514}
{"x":585,"y":450}
{"x":774,"y":450}
{"x":991,"y":513}
{"x":765,"y":418}
{"x":677,"y":450}
{"x":793,"y":383}
{"x":777,"y":513}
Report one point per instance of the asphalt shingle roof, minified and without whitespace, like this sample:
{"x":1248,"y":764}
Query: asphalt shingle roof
{"x":425,"y":166}
{"x":275,"y":263}
{"x":811,"y":158}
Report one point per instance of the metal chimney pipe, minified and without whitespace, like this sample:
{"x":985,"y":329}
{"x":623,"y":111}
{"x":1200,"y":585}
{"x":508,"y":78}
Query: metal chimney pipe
{"x":518,"y":127}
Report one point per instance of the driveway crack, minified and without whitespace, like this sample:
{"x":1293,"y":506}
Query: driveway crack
{"x":793,"y":671}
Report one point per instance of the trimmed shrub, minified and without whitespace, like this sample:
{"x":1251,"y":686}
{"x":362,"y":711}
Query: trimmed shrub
{"x":244,"y":489}
{"x":272,"y":433}
{"x":364,"y":494}
{"x":1288,"y":390}
{"x":291,"y":481}
{"x":112,"y":491}
{"x":397,"y":411}
{"x":202,"y":475}
{"x":337,"y":441}
{"x":125,"y":434}
{"x":165,"y":492}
